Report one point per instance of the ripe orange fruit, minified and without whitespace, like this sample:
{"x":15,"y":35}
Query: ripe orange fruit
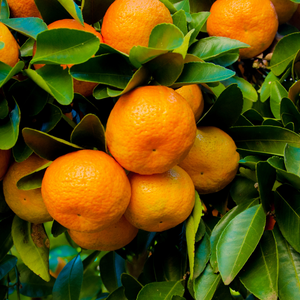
{"x":23,"y":9}
{"x":193,"y":95}
{"x":84,"y":88}
{"x":160,"y":201}
{"x":150,"y":129}
{"x":213,"y":160}
{"x":27,"y":204}
{"x":4,"y":161}
{"x":284,"y":9}
{"x":86,"y":190}
{"x":114,"y":237}
{"x":253,"y":22}
{"x":129,"y":23}
{"x":9,"y":54}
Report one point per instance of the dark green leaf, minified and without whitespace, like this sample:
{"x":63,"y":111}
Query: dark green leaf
{"x":32,"y":245}
{"x":206,"y":284}
{"x":6,"y":241}
{"x":4,"y":109}
{"x":65,"y":46}
{"x":54,"y":80}
{"x":94,"y":10}
{"x":290,"y":113}
{"x":292,"y":159}
{"x":7,"y":72}
{"x":4,"y":10}
{"x":202,"y":255}
{"x":72,"y":8}
{"x":6,"y":264}
{"x":112,"y":265}
{"x":69,"y":281}
{"x":131,"y":285}
{"x":57,"y":229}
{"x":277,"y":92}
{"x":287,"y":208}
{"x":260,"y":274}
{"x":289,"y":268}
{"x":238,"y":240}
{"x":117,"y":294}
{"x":226,"y":109}
{"x":200,"y":231}
{"x":29,"y":26}
{"x":89,"y":133}
{"x":268,"y":140}
{"x":161,"y":290}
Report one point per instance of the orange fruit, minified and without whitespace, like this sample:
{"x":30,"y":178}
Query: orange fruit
{"x":160,"y":201}
{"x":284,"y":9}
{"x":253,"y":22}
{"x":23,"y":9}
{"x":9,"y":54}
{"x":60,"y":265}
{"x":129,"y":23}
{"x":150,"y":129}
{"x":295,"y":19}
{"x":114,"y":237}
{"x":193,"y":95}
{"x":84,"y":88}
{"x":86,"y":190}
{"x":213,"y":160}
{"x":27,"y":204}
{"x":4,"y":161}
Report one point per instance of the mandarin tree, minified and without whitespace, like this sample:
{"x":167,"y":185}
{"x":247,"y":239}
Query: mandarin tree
{"x":149,"y":149}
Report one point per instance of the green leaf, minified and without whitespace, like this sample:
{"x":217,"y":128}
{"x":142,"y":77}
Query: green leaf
{"x":54,"y":80}
{"x":263,"y":139}
{"x":238,"y":240}
{"x":9,"y":129}
{"x":166,"y":68}
{"x":190,"y":240}
{"x":69,"y":281}
{"x":166,"y":37}
{"x":108,"y":69}
{"x":131,"y":285}
{"x":179,"y":20}
{"x":212,"y":47}
{"x":206,"y":284}
{"x":7,"y":72}
{"x":161,"y":290}
{"x":32,"y":245}
{"x":112,"y":265}
{"x":72,"y":8}
{"x":266,"y":176}
{"x":260,"y":274}
{"x":289,"y":268}
{"x":29,"y":26}
{"x":6,"y":241}
{"x":57,"y":229}
{"x":4,"y":109}
{"x":289,"y":113}
{"x":93,"y":10}
{"x":277,"y":92}
{"x":284,"y":53}
{"x":89,"y":133}
{"x":183,"y":49}
{"x":117,"y":294}
{"x":288,"y":214}
{"x":220,"y":227}
{"x":47,"y":146}
{"x":226,"y":109}
{"x":202,"y":255}
{"x":198,"y":21}
{"x":65,"y":46}
{"x":4,"y":10}
{"x":265,"y":89}
{"x":292,"y":159}
{"x":6,"y":264}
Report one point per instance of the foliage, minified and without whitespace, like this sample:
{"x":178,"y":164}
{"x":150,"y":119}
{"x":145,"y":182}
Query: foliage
{"x":225,"y":249}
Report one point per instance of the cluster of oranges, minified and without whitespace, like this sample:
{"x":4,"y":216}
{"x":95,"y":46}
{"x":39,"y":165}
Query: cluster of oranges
{"x":157,"y":156}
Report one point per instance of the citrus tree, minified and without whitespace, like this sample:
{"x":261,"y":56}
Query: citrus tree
{"x":238,"y":242}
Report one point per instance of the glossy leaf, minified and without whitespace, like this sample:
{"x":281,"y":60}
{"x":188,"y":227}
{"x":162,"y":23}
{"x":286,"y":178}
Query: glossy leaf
{"x":72,"y":8}
{"x":179,"y":20}
{"x":69,"y":281}
{"x":266,"y":176}
{"x":65,"y":46}
{"x":202,"y":255}
{"x":112,"y":265}
{"x":220,"y":227}
{"x":289,"y":268}
{"x":260,"y":274}
{"x":229,"y":101}
{"x":131,"y":285}
{"x":6,"y":264}
{"x":89,"y":133}
{"x":47,"y":146}
{"x":277,"y":92}
{"x":197,"y":23}
{"x":54,"y":80}
{"x":284,"y":53}
{"x":32,"y":245}
{"x":269,"y":140}
{"x":201,"y":72}
{"x":4,"y":10}
{"x":211,"y":47}
{"x":7,"y":72}
{"x":161,"y":290}
{"x":292,"y":159}
{"x":287,"y":208}
{"x":206,"y":284}
{"x":29,"y":26}
{"x":238,"y":240}
{"x":183,"y":49}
